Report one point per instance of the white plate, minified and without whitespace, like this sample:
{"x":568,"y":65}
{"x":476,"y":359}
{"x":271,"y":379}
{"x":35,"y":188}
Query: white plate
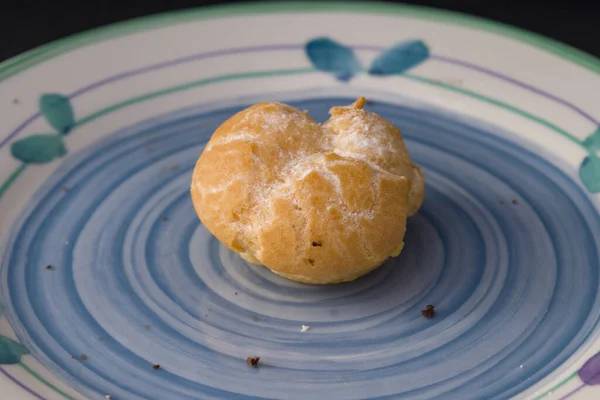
{"x":503,"y":122}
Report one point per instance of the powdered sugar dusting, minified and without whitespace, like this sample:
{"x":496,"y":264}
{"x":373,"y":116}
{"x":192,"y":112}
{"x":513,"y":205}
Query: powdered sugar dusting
{"x":222,"y":187}
{"x":240,"y":136}
{"x":356,"y":133}
{"x":296,"y":148}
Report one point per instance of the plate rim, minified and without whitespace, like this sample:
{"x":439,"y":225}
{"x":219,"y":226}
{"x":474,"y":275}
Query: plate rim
{"x":28,"y":59}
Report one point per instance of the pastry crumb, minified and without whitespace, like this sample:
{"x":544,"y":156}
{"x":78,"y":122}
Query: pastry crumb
{"x":304,"y":328}
{"x":48,"y":267}
{"x":156,"y":366}
{"x":429,"y":311}
{"x":252,"y":361}
{"x":83,"y":357}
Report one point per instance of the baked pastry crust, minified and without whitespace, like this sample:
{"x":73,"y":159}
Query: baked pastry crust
{"x":314,"y":203}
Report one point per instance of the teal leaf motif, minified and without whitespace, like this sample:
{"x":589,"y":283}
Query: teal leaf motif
{"x":589,"y":172}
{"x":400,"y":58}
{"x":39,"y":149}
{"x":329,"y":56}
{"x":58,"y":112}
{"x":11,"y":351}
{"x":592,"y":142}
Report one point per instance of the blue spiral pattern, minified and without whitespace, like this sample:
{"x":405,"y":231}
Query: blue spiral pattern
{"x":505,"y":246}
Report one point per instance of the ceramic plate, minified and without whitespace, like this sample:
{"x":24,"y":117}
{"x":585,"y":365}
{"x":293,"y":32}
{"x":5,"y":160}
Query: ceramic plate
{"x":106,"y":271}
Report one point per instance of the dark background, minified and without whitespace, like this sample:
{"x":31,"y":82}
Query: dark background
{"x":25,"y":24}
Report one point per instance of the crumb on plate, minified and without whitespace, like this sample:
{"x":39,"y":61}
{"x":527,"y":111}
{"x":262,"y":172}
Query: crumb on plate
{"x":429,"y":311}
{"x":252,"y":361}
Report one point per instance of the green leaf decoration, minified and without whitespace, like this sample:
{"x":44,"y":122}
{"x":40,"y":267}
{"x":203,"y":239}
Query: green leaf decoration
{"x":329,"y":56}
{"x":400,"y":58}
{"x":592,"y":142}
{"x":589,"y":172}
{"x":58,"y":112}
{"x":39,"y":149}
{"x":11,"y":351}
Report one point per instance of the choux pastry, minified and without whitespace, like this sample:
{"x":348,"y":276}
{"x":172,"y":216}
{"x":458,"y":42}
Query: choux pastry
{"x":314,"y":203}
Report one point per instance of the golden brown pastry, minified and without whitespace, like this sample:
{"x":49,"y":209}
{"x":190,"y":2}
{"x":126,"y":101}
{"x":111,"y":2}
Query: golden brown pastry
{"x":313,"y":203}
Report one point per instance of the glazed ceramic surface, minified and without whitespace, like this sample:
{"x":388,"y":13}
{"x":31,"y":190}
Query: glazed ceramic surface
{"x":105,"y":270}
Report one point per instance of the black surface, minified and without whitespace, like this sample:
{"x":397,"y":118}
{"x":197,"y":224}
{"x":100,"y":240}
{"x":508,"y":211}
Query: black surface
{"x":25,"y":24}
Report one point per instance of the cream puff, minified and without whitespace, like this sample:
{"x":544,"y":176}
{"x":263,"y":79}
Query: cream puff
{"x":314,"y":203}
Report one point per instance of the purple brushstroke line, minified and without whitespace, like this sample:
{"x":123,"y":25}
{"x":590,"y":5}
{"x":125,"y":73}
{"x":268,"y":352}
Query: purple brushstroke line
{"x":183,"y":60}
{"x":515,"y":82}
{"x":498,"y":75}
{"x":154,"y":67}
{"x":217,"y":53}
{"x":572,"y":392}
{"x":19,"y":128}
{"x":20,"y":384}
